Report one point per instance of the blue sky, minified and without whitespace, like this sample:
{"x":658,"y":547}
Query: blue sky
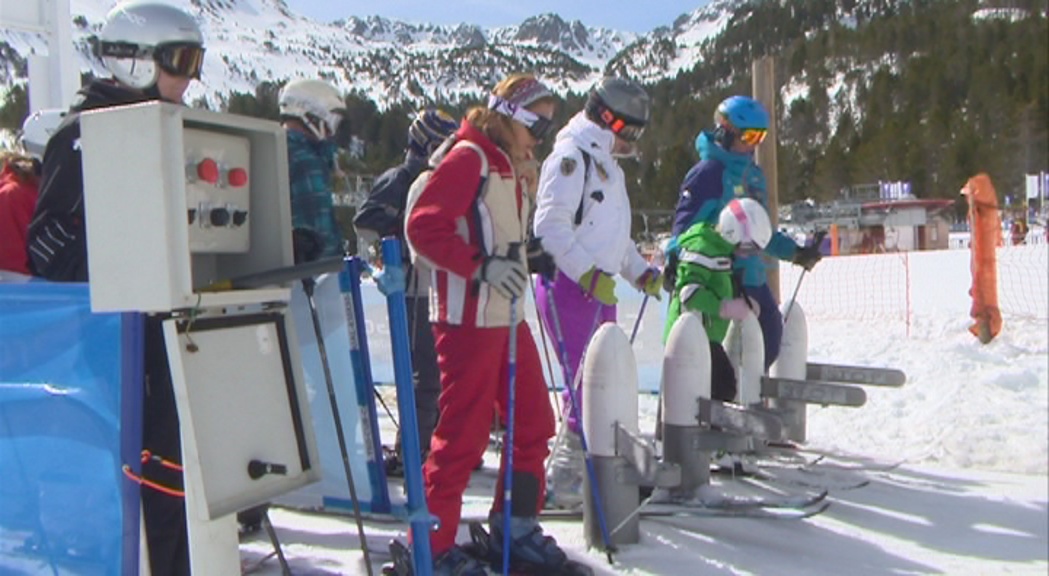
{"x":631,"y":15}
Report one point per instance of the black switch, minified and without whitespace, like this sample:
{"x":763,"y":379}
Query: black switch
{"x":257,"y":469}
{"x":219,"y":217}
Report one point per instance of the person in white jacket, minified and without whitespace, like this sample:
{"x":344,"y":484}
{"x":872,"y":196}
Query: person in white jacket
{"x":583,"y":220}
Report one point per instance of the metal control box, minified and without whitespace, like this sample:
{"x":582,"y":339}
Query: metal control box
{"x":243,"y":409}
{"x":177,"y":199}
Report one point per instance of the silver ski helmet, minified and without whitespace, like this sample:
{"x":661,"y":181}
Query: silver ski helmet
{"x":37,"y":130}
{"x":620,"y":105}
{"x":319,"y":106}
{"x":142,"y":37}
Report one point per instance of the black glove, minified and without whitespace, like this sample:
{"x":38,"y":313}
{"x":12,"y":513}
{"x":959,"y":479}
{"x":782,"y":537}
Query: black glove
{"x":540,"y":261}
{"x":670,"y":273}
{"x":307,"y":245}
{"x":807,"y":256}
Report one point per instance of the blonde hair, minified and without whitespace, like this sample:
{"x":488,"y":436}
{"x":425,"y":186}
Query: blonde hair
{"x":497,"y":127}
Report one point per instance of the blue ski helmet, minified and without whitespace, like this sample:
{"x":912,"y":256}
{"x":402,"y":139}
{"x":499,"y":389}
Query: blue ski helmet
{"x":430,"y":128}
{"x":739,"y":118}
{"x":741,"y":113}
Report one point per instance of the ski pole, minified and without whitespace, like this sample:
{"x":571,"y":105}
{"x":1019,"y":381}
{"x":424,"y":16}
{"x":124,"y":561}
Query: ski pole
{"x":576,"y":413}
{"x":393,"y":418}
{"x":816,"y":239}
{"x":308,"y":284}
{"x":546,"y":351}
{"x":637,"y":323}
{"x":512,"y":253}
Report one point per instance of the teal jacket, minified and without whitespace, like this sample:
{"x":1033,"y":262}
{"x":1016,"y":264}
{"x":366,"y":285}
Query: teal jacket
{"x":708,"y":187}
{"x":704,"y":279}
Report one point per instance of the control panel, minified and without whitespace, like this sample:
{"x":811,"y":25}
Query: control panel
{"x":178,"y":201}
{"x":217,"y":193}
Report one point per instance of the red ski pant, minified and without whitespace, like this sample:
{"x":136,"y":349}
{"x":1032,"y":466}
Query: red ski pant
{"x":474,"y":379}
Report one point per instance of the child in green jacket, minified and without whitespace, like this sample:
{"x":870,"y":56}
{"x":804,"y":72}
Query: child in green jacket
{"x":705,"y":283}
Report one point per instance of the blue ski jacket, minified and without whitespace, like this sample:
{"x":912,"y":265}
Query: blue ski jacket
{"x":708,"y":187}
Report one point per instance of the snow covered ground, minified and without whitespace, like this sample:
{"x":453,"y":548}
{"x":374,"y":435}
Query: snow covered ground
{"x":970,"y":425}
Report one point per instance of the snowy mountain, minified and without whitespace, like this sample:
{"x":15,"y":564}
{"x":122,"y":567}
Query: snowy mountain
{"x":389,"y":61}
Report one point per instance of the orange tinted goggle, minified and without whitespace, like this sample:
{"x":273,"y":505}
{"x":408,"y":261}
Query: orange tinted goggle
{"x":619,"y":127}
{"x":753,"y":136}
{"x":184,"y":60}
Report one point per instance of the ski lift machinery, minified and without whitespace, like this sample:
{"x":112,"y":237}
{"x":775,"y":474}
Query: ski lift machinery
{"x":178,"y":201}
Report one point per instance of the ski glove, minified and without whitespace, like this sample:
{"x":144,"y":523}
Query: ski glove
{"x":651,"y":283}
{"x":540,"y":261}
{"x":390,"y":280}
{"x":735,"y":309}
{"x":508,"y":277}
{"x":670,"y":273}
{"x":807,"y":256}
{"x":599,"y":285}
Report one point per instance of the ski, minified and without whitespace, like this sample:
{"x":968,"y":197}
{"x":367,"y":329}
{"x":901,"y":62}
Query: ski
{"x":254,"y":566}
{"x":790,"y":476}
{"x":860,"y":467}
{"x":832,"y":461}
{"x":665,"y":511}
{"x":723,"y":502}
{"x":480,"y":549}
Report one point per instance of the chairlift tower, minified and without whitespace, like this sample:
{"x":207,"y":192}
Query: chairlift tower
{"x":53,"y":77}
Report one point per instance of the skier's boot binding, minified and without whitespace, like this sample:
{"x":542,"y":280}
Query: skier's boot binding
{"x":455,"y":562}
{"x":531,"y":551}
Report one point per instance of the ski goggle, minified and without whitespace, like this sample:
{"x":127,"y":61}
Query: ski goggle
{"x":185,"y":60}
{"x":753,"y":136}
{"x":540,"y":127}
{"x":620,"y":127}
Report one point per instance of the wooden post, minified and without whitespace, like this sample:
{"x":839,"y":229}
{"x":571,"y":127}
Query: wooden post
{"x":764,"y":86}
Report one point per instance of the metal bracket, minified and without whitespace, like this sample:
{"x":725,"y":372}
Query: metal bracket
{"x":823,"y":393}
{"x":713,"y":440}
{"x":643,"y":468}
{"x":739,"y":419}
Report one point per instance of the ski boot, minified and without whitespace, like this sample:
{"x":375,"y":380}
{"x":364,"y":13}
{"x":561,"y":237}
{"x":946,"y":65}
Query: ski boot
{"x":453,"y":562}
{"x":534,"y":553}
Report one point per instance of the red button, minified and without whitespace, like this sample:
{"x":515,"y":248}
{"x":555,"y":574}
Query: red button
{"x":237,"y":177}
{"x":208,"y":171}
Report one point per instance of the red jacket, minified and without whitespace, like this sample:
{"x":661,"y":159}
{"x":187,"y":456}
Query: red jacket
{"x":452,"y":227}
{"x":18,"y":194}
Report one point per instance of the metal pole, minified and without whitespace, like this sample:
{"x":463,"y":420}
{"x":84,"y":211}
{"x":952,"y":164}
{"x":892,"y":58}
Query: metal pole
{"x":419,"y":517}
{"x":308,"y":284}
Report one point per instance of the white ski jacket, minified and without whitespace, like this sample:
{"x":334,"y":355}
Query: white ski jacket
{"x":602,"y":237}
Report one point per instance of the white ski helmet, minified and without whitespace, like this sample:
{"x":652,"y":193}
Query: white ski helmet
{"x":37,"y":130}
{"x":317,"y":104}
{"x":142,"y":37}
{"x":743,"y":221}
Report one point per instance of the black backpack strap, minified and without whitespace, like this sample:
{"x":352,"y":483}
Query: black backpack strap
{"x":586,"y":176}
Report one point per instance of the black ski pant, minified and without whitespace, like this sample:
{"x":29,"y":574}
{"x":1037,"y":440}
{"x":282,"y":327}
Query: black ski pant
{"x":426,"y":377}
{"x":165,"y":515}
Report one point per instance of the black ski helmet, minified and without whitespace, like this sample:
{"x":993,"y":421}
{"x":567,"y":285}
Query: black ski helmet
{"x":621,"y":105}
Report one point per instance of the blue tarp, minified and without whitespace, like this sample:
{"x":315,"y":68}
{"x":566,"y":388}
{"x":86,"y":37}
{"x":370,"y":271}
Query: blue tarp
{"x":67,"y":424}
